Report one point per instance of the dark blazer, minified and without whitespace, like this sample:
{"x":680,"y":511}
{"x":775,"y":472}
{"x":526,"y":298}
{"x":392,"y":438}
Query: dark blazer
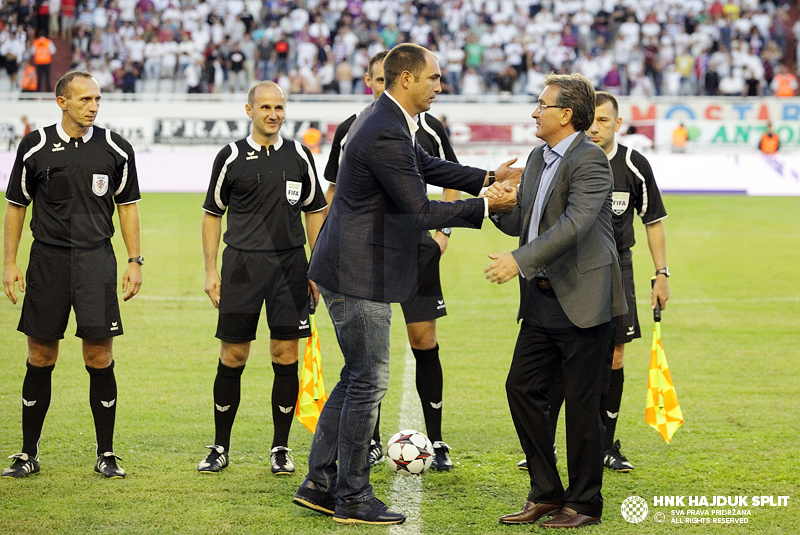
{"x":368,"y":246}
{"x":576,"y":238}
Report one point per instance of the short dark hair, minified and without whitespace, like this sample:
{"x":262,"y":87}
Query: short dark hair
{"x":380,"y":56}
{"x":575,"y":92}
{"x":405,"y":57}
{"x":63,"y":84}
{"x":601,"y":97}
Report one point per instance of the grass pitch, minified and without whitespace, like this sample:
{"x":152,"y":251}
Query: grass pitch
{"x":730,"y":334}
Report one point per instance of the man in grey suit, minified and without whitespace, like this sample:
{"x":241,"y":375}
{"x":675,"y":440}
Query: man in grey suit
{"x":570,"y":291}
{"x":366,"y":257}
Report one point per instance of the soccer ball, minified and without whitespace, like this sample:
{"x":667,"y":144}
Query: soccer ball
{"x":409,"y":452}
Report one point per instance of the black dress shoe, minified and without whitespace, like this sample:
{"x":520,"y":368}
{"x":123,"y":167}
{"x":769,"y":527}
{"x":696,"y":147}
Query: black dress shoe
{"x":531,"y":512}
{"x":371,"y":511}
{"x":310,"y":496}
{"x":570,"y":518}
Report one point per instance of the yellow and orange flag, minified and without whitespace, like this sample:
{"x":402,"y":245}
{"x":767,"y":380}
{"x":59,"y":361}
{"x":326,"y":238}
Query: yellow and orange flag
{"x":662,"y":410}
{"x":312,"y":396}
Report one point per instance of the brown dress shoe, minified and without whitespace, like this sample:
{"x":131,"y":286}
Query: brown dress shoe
{"x":531,"y":512}
{"x":570,"y":518}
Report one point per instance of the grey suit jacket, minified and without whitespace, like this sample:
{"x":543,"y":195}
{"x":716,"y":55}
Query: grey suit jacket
{"x":576,"y":238}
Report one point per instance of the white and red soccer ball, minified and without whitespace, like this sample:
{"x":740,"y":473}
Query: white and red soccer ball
{"x":409,"y":452}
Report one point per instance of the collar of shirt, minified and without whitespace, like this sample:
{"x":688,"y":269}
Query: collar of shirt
{"x":252,"y":142}
{"x":412,"y":124}
{"x":562,"y":147}
{"x":613,"y":152}
{"x":66,"y":137}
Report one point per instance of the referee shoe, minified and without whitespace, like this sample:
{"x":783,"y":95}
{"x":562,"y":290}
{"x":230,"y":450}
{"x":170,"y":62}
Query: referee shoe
{"x":215,"y":461}
{"x":441,"y":460}
{"x":375,"y":452}
{"x":107,"y":465}
{"x":279,"y":461}
{"x":23,"y":465}
{"x":614,"y":459}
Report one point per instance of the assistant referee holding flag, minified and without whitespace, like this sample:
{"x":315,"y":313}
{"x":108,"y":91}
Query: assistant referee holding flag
{"x":74,"y":173}
{"x":265,"y":183}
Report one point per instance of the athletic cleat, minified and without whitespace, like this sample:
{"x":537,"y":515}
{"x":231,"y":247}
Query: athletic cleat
{"x":615,"y":460}
{"x":375,"y":453}
{"x":22,"y":466}
{"x":107,"y":465}
{"x":215,"y":461}
{"x":280,"y":462}
{"x":441,"y":460}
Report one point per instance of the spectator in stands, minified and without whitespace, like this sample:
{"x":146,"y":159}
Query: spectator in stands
{"x":785,"y":83}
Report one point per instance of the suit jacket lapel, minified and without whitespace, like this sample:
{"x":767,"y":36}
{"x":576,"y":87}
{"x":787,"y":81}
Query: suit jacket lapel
{"x":529,"y":195}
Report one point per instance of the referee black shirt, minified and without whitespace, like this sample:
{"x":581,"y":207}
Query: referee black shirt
{"x":75,"y":182}
{"x":635,"y":190}
{"x":265,"y":190}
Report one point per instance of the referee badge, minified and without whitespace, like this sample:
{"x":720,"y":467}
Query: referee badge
{"x":293,"y":190}
{"x":619,"y":202}
{"x":99,"y":184}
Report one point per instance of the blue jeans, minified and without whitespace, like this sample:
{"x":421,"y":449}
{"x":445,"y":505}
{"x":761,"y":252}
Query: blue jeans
{"x":346,"y":424}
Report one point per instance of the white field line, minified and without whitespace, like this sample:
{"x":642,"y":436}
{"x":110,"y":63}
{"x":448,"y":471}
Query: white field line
{"x":406,"y":494}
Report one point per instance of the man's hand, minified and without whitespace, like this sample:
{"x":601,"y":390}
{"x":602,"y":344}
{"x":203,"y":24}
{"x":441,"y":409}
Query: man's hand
{"x":442,"y":240}
{"x":213,"y":284}
{"x":502,"y":269}
{"x":660,"y":293}
{"x":502,"y":197}
{"x":12,"y":274}
{"x":505,"y":172}
{"x":312,"y":289}
{"x":131,"y":280}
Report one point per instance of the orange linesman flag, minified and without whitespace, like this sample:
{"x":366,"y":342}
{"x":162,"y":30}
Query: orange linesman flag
{"x":662,"y":410}
{"x":312,"y":396}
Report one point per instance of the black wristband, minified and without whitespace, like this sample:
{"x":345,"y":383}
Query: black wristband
{"x":491,"y":178}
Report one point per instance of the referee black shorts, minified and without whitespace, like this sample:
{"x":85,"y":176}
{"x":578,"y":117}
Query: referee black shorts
{"x":628,"y":325}
{"x":426,"y":302}
{"x":251,"y":279}
{"x":60,"y":278}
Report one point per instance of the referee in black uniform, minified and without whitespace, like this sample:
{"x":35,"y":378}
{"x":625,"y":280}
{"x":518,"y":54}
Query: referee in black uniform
{"x":74,"y":173}
{"x":264,"y":182}
{"x":427,"y":303}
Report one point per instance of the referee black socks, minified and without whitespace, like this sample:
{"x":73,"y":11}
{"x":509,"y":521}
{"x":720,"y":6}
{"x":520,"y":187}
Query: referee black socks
{"x":227,"y":393}
{"x":429,"y":387}
{"x":36,"y":392}
{"x":103,"y":400}
{"x":613,"y":402}
{"x":285,"y":386}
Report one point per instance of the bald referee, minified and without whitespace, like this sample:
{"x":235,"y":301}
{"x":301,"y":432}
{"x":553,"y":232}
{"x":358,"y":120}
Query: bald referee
{"x":74,"y":173}
{"x":265,"y":183}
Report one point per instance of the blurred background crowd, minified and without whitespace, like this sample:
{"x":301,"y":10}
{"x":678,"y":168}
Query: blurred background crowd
{"x":627,"y":47}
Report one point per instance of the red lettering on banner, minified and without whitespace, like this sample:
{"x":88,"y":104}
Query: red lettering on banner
{"x":712,"y":113}
{"x":763,"y":113}
{"x":637,"y":114}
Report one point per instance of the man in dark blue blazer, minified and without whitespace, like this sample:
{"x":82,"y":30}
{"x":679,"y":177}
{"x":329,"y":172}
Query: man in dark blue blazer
{"x":366,"y":258}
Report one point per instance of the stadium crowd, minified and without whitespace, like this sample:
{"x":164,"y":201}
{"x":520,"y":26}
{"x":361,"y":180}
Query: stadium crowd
{"x":626,"y":47}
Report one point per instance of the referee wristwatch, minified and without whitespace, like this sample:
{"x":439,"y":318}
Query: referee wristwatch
{"x":446,"y":231}
{"x":138,"y":259}
{"x":663,"y":271}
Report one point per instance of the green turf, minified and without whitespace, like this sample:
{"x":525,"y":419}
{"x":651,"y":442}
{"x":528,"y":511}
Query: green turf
{"x":730,"y":333}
